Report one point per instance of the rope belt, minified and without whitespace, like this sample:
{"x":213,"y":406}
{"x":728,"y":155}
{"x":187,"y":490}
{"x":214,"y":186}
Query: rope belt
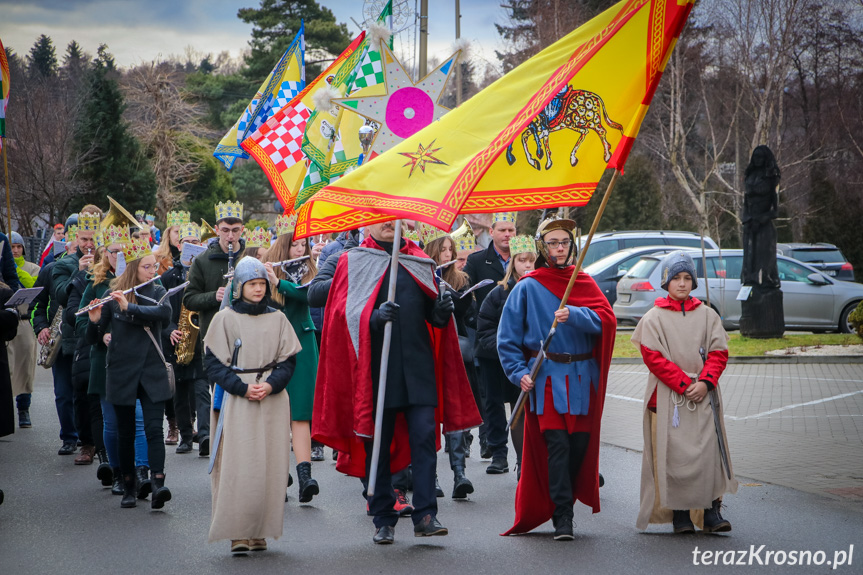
{"x":561,"y":357}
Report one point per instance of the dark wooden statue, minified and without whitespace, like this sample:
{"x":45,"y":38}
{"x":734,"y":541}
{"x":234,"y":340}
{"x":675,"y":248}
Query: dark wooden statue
{"x":762,"y":314}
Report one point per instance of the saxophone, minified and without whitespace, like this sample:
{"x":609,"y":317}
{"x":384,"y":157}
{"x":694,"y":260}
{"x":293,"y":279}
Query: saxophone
{"x":48,"y":352}
{"x":185,"y":348}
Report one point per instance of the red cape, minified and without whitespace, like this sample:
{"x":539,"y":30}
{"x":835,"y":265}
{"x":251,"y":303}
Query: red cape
{"x":533,"y":505}
{"x":343,"y":415}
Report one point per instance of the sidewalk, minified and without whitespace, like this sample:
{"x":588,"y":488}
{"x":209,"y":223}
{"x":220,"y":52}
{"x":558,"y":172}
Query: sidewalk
{"x":796,"y":425}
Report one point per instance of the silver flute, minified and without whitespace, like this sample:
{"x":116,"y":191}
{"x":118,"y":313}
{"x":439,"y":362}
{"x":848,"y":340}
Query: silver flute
{"x":105,"y":300}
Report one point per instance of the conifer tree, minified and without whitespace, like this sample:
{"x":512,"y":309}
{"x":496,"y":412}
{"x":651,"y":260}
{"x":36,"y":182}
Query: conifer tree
{"x":43,"y":58}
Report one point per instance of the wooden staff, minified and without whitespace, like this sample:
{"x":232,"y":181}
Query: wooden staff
{"x":519,"y":406}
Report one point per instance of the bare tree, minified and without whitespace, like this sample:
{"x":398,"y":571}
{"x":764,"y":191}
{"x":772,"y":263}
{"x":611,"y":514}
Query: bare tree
{"x":167,"y":125}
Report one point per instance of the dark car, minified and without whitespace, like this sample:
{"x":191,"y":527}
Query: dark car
{"x":824,"y":257}
{"x":607,"y":271}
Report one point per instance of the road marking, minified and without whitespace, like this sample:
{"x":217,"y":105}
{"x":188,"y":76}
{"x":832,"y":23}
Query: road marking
{"x":794,"y":406}
{"x":785,"y":377}
{"x":623,"y":397}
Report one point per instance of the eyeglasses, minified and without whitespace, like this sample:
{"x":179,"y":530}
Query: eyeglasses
{"x":233,"y":231}
{"x":113,"y":252}
{"x":554,"y":244}
{"x":149,"y":267}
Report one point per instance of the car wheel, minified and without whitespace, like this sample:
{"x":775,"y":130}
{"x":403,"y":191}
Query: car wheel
{"x":844,"y":323}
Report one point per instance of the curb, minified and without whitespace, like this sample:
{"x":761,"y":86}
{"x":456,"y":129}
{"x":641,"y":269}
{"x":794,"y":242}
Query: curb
{"x":767,"y":359}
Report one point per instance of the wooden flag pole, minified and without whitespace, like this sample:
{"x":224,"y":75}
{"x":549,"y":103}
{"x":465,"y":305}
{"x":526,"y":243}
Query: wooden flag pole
{"x":519,"y":406}
{"x":385,"y":359}
{"x":8,"y":196}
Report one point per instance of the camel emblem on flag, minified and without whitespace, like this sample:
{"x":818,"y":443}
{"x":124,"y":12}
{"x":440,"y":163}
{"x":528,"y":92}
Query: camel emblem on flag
{"x":570,"y":109}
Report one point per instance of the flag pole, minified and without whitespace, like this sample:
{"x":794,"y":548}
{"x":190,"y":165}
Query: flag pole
{"x":385,"y":356}
{"x":519,"y":406}
{"x":8,"y":197}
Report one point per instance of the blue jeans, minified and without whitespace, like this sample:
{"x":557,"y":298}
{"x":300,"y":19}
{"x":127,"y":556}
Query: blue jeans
{"x":62,"y":370}
{"x":22,"y":400}
{"x":112,"y":437}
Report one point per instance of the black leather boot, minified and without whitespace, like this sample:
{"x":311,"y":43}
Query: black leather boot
{"x":103,"y":472}
{"x":308,"y":486}
{"x":145,"y":486}
{"x":713,"y":521}
{"x":161,"y":494}
{"x":461,"y":484}
{"x":129,"y":484}
{"x":117,"y":486}
{"x":682,"y":522}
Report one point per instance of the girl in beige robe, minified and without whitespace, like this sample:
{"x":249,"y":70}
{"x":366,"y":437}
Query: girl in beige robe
{"x":249,"y":468}
{"x":685,"y":348}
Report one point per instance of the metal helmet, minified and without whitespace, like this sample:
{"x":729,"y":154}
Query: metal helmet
{"x":673,"y":264}
{"x":247,"y":269}
{"x":550,"y":225}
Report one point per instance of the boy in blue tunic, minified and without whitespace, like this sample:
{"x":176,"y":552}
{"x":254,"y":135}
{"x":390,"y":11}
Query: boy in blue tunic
{"x":561,"y":438}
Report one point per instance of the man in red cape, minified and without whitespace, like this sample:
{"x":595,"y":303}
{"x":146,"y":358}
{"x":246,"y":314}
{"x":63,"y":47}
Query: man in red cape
{"x":426,"y":381}
{"x":561,"y":432}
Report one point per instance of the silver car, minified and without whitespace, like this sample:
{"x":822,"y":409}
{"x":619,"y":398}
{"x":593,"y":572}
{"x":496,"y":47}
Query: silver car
{"x":811,"y":300}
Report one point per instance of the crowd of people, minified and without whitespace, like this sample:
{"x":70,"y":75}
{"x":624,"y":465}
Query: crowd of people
{"x":255,"y":345}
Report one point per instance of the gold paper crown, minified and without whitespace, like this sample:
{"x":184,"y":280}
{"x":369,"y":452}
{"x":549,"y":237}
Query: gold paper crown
{"x":411,"y":235}
{"x":503,"y":217}
{"x":178,"y":218}
{"x":428,"y":233}
{"x":265,"y":237}
{"x":229,"y":210}
{"x":136,"y":249}
{"x":71,"y":233}
{"x":463,"y":238}
{"x":521,"y":245}
{"x":189,"y":230}
{"x":88,"y":222}
{"x":256,"y":238}
{"x":285,"y":224}
{"x":117,"y":235}
{"x":140,"y":214}
{"x":99,"y":239}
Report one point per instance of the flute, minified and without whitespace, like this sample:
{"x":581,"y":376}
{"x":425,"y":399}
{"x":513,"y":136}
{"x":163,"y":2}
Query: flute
{"x":230,"y":274}
{"x":105,"y":300}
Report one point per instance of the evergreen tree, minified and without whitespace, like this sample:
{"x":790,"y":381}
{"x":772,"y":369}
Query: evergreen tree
{"x":212,"y":186}
{"x":276,"y":23}
{"x":43,"y":58}
{"x":116,"y":167}
{"x":75,"y":62}
{"x":252,"y":186}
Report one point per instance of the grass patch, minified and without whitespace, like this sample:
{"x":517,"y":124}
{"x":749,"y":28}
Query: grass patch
{"x":739,"y":345}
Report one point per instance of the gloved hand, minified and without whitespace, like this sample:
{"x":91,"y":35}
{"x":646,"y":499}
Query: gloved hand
{"x":388,"y":311}
{"x":443,"y":308}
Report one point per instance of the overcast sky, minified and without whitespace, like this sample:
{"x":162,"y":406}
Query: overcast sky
{"x":143,"y":30}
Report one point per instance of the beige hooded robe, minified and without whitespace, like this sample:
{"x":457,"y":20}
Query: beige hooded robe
{"x":250,"y":472}
{"x":681,"y":468}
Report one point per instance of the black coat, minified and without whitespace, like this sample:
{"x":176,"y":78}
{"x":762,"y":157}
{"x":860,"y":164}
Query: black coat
{"x":481,"y":266}
{"x":488,"y":320}
{"x":132,"y":358}
{"x":8,"y":331}
{"x":81,"y":355}
{"x":411,"y":366}
{"x":43,"y":307}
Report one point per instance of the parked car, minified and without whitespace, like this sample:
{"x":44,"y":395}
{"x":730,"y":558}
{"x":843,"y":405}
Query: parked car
{"x":824,"y":257}
{"x":812,"y":301}
{"x":606,"y":243}
{"x":607,"y":271}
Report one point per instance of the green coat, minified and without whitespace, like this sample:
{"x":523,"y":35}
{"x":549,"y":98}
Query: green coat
{"x":301,"y":388}
{"x":98,"y":351}
{"x":64,"y":271}
{"x":206,"y":276}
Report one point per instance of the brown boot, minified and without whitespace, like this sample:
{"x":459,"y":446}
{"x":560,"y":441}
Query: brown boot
{"x":173,"y":437}
{"x":85,"y":457}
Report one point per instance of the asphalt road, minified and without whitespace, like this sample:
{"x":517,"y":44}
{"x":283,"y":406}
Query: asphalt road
{"x":58,"y":519}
